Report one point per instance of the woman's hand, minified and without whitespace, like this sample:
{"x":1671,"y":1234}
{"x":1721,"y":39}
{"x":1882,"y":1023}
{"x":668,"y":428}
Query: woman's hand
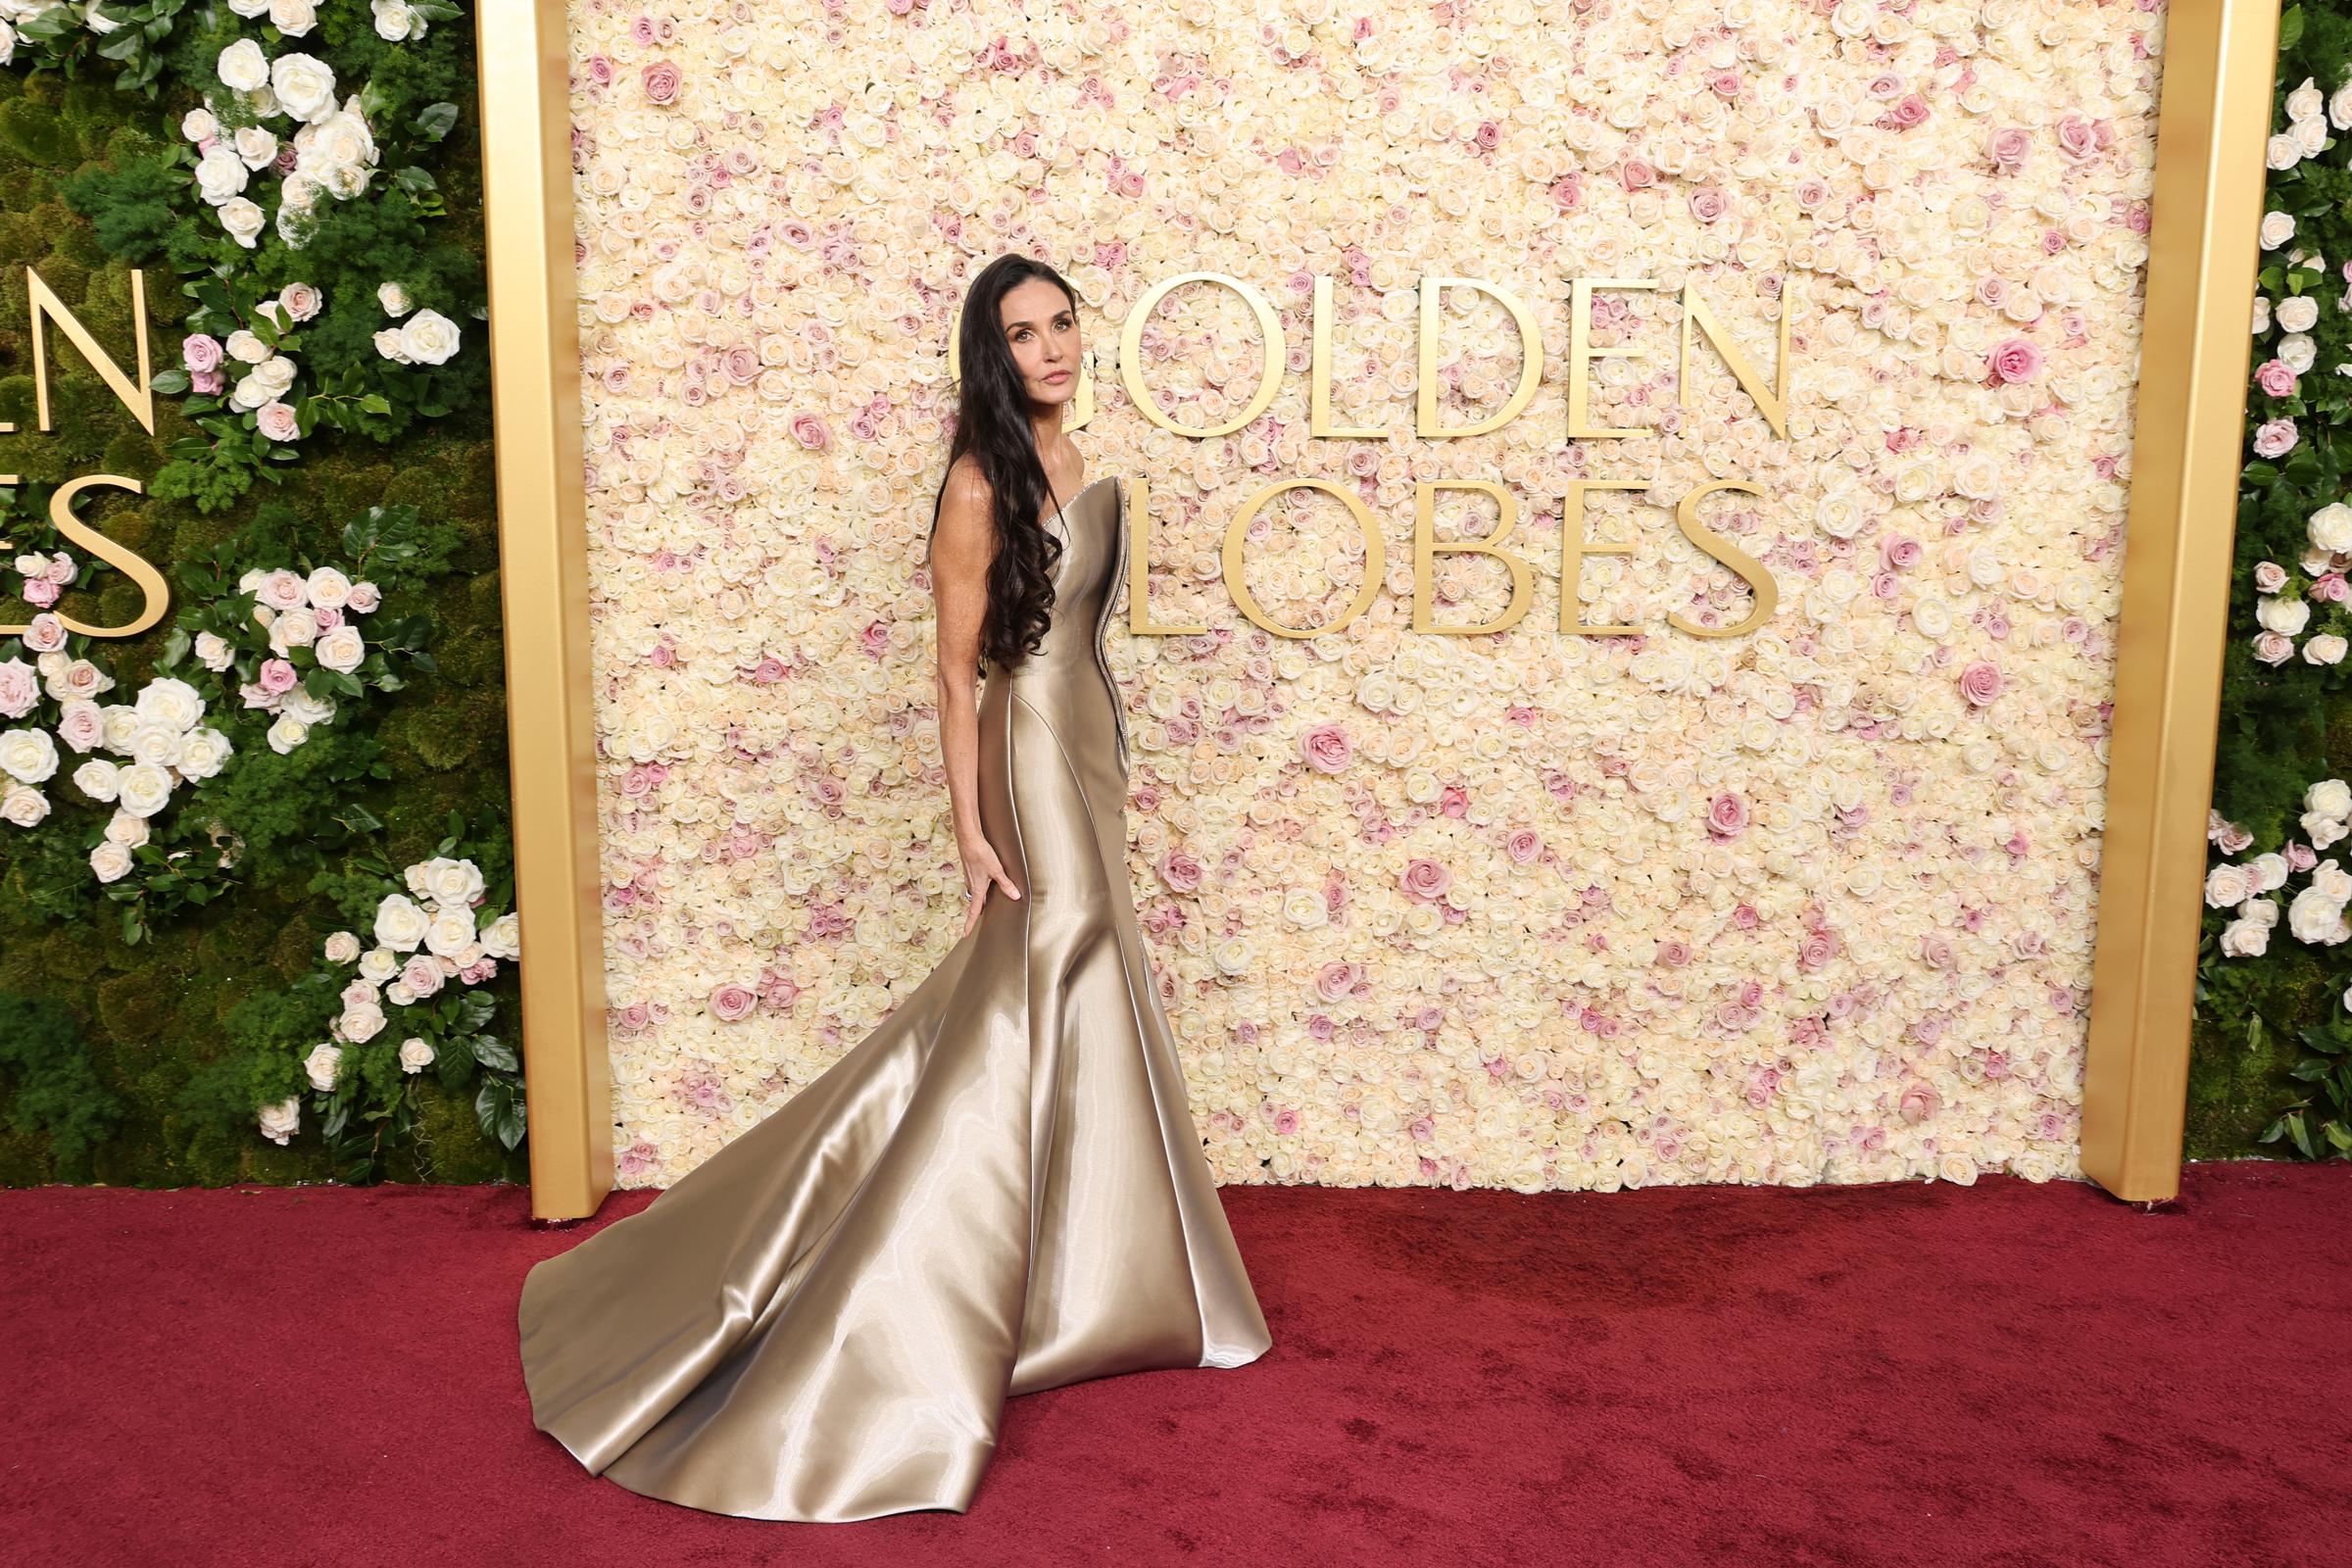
{"x":980,"y":868}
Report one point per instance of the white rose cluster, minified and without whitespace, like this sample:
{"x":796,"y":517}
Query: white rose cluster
{"x":2316,"y":913}
{"x":312,"y":612}
{"x":330,"y":149}
{"x":425,"y":338}
{"x":2310,"y":113}
{"x":423,"y":939}
{"x":2285,"y":608}
{"x":1693,"y":880}
{"x":165,"y":743}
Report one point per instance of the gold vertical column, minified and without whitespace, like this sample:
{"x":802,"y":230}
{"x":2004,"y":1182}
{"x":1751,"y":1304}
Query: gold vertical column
{"x":2214,"y":117}
{"x":543,"y":565}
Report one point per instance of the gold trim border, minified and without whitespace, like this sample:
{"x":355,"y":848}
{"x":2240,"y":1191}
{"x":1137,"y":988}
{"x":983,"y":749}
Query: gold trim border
{"x":2187,"y":453}
{"x":543,"y":575}
{"x":2220,"y":58}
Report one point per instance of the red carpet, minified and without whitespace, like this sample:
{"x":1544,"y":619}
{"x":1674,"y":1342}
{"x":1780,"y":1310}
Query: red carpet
{"x":1909,"y":1373}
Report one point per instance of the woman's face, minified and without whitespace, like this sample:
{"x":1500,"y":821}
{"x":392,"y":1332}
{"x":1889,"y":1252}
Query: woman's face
{"x":1041,"y":330}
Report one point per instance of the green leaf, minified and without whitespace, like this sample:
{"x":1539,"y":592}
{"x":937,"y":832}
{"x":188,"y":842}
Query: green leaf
{"x":492,"y":1051}
{"x":435,"y":120}
{"x":2290,"y":29}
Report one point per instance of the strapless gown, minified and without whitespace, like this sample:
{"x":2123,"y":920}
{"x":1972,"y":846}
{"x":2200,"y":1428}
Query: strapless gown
{"x":1000,"y":1188}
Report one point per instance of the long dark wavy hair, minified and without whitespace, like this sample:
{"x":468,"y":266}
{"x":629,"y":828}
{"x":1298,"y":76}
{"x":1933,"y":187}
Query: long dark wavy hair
{"x":992,"y":424}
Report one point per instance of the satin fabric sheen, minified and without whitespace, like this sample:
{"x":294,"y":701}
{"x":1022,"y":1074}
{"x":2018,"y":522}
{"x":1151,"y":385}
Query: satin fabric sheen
{"x":999,"y":1189}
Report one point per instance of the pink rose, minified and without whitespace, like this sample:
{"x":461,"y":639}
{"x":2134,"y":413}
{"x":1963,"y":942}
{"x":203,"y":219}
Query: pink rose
{"x":1335,"y":980}
{"x":1980,"y":681}
{"x":2300,"y":857}
{"x":1919,"y":1104}
{"x":1908,"y":110}
{"x":2331,"y":588}
{"x":2269,"y":576}
{"x":1522,"y":845}
{"x":19,"y":689}
{"x":2273,"y":648}
{"x":2077,"y":137}
{"x":200,"y":352}
{"x":2275,"y":378}
{"x":1727,"y":814}
{"x":1286,"y":1122}
{"x":1708,"y":203}
{"x":207,"y":383}
{"x":1901,"y":552}
{"x":810,"y":432}
{"x":733,"y":1002}
{"x":661,"y":81}
{"x":1673,"y":953}
{"x":276,"y":421}
{"x":1817,"y":948}
{"x":41,"y":593}
{"x":276,"y":677}
{"x":2009,"y":146}
{"x":1425,"y":879}
{"x":1937,"y":948}
{"x":1637,"y":174}
{"x":2014,"y":360}
{"x":1180,"y":871}
{"x":1327,"y":749}
{"x":2276,"y":438}
{"x":301,"y":301}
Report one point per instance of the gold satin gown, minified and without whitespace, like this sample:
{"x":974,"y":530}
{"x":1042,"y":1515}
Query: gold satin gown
{"x":999,"y":1189}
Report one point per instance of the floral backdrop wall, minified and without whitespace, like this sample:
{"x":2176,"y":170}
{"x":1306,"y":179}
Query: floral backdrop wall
{"x":1813,"y":902}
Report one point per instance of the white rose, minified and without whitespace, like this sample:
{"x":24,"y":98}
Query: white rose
{"x":2298,"y":350}
{"x":198,"y":124}
{"x":293,"y":18}
{"x":501,"y":938}
{"x":281,"y":1121}
{"x":171,"y":701}
{"x":2226,"y":886}
{"x":2277,"y":229}
{"x":249,"y":9}
{"x":2314,"y":916}
{"x":387,"y":343}
{"x":143,"y":789}
{"x":2286,"y":616}
{"x":125,"y":829}
{"x":2329,"y":797}
{"x":242,"y":219}
{"x":2325,"y":649}
{"x":2339,"y":108}
{"x":203,"y":754}
{"x":246,"y":348}
{"x":300,"y":703}
{"x":287,"y":733}
{"x":2298,"y":313}
{"x":341,"y":649}
{"x":2330,"y":527}
{"x":97,"y":778}
{"x":219,"y":173}
{"x":415,"y":1055}
{"x":447,"y":881}
{"x":305,"y":86}
{"x":28,"y":754}
{"x":110,"y":861}
{"x":242,"y":67}
{"x":256,"y":146}
{"x":400,"y":924}
{"x":451,"y":931}
{"x":379,"y":964}
{"x":394,"y":299}
{"x":429,"y":337}
{"x":2269,"y":873}
{"x":396,"y":21}
{"x":327,"y":588}
{"x":2245,"y":939}
{"x":361,"y":1021}
{"x":23,"y":807}
{"x":2305,"y":101}
{"x":2333,"y":881}
{"x":342,"y":946}
{"x":2322,"y":830}
{"x":320,"y":1065}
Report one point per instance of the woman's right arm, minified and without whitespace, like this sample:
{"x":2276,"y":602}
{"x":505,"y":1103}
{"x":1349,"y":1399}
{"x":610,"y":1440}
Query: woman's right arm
{"x":961,"y":548}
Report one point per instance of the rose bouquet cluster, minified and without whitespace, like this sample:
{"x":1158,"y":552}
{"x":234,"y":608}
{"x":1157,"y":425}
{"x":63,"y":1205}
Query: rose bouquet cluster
{"x":2285,"y":606}
{"x":413,"y":998}
{"x":161,"y":737}
{"x":2315,"y":913}
{"x":307,"y":620}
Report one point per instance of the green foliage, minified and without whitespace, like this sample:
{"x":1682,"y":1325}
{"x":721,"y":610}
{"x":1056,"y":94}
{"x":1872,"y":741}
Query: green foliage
{"x":58,"y":1093}
{"x":171,"y":1100}
{"x":2284,"y":726}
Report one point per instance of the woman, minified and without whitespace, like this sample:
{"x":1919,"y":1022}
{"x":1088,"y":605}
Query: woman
{"x":999,"y":1189}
